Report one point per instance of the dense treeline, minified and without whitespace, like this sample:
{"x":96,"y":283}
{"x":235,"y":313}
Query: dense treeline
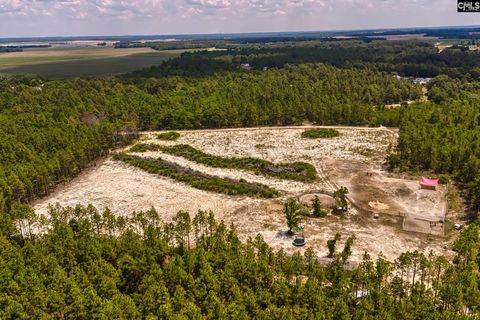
{"x":443,"y":88}
{"x":91,"y":264}
{"x":407,"y":58}
{"x":51,"y":130}
{"x":173,"y":45}
{"x":442,"y":33}
{"x":444,"y":137}
{"x":313,"y":92}
{"x":10,"y":49}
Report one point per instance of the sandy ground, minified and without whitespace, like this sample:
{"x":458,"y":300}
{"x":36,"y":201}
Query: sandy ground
{"x":354,"y":160}
{"x":372,"y":192}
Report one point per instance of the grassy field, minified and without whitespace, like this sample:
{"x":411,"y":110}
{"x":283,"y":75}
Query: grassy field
{"x":446,"y":43}
{"x":57,"y":63}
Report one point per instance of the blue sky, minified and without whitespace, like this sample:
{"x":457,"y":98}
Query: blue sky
{"x":109,"y":17}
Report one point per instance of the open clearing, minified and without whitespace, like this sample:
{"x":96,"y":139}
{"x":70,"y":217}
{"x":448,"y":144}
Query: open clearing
{"x":382,"y":205}
{"x":56,"y":63}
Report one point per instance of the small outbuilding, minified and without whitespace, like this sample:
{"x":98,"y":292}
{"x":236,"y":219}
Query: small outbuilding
{"x":429,"y":184}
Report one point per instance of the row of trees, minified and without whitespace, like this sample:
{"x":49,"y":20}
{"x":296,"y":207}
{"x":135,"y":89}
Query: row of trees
{"x":314,"y":92}
{"x":407,"y":58}
{"x":89,"y":264}
{"x":49,"y":133}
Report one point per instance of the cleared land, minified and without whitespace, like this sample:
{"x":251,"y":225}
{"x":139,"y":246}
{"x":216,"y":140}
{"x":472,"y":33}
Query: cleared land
{"x":354,"y":159}
{"x":197,"y":179}
{"x":299,"y":171}
{"x":56,"y":63}
{"x":447,"y":43}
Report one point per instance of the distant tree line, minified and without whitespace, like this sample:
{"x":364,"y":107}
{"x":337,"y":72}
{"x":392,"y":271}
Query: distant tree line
{"x":412,"y":58}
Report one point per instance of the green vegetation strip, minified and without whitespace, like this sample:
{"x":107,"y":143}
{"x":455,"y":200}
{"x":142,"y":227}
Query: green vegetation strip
{"x":197,"y":179}
{"x":144,"y":147}
{"x":320,"y":133}
{"x":168,"y":136}
{"x":299,"y":171}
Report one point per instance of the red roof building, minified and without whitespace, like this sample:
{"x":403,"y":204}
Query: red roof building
{"x":427,"y":183}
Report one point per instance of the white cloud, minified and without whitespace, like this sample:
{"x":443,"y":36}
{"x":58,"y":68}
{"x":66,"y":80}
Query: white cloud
{"x":151,"y":7}
{"x":210,"y":3}
{"x":54,"y":17}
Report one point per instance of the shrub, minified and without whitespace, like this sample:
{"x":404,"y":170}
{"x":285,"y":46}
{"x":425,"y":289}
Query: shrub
{"x":320,"y":133}
{"x":144,"y":147}
{"x":444,"y":179}
{"x":332,"y":243}
{"x":299,"y":171}
{"x":393,"y":161}
{"x":168,"y":136}
{"x":198,"y":179}
{"x":341,"y":202}
{"x":317,"y":208}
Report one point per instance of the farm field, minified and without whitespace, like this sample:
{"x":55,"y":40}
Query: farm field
{"x":57,"y":63}
{"x":379,"y":202}
{"x":446,"y":43}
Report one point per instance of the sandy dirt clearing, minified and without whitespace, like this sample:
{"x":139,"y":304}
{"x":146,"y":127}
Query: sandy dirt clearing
{"x":353,"y":159}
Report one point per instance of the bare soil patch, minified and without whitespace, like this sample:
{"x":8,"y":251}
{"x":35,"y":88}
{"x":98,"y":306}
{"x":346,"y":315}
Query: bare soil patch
{"x":340,"y":161}
{"x":326,"y":200}
{"x":371,"y":190}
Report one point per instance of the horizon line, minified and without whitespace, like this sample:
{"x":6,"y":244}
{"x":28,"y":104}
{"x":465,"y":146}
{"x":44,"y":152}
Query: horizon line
{"x":105,"y":37}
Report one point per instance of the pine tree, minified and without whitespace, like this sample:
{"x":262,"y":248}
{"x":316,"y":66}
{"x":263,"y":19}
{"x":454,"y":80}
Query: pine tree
{"x":317,"y":208}
{"x":341,"y":203}
{"x":332,"y":243}
{"x":293,"y":214}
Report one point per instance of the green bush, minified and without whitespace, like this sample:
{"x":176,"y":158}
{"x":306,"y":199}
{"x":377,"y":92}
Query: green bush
{"x":299,"y":171}
{"x":144,"y":147}
{"x":168,"y":136}
{"x":197,"y":179}
{"x":317,"y":208}
{"x":320,"y":133}
{"x":444,"y":179}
